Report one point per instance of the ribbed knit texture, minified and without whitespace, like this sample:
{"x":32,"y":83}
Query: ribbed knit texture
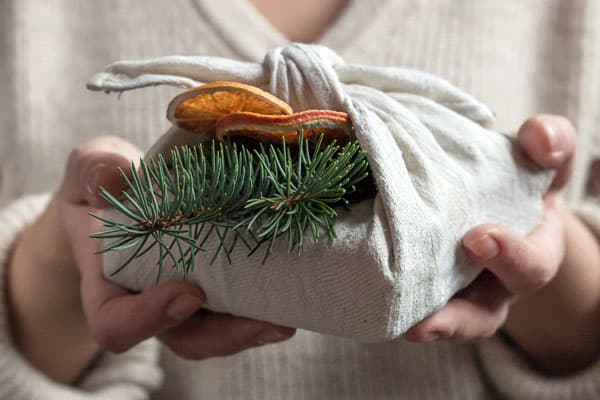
{"x":519,"y":57}
{"x":514,"y":378}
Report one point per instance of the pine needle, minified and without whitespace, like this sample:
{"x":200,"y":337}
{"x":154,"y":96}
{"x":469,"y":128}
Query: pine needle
{"x":247,"y":197}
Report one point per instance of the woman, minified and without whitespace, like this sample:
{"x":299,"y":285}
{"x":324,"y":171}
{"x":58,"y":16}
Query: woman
{"x":520,"y":58}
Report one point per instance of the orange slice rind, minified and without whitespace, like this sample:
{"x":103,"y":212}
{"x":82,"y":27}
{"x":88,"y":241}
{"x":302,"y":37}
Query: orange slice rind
{"x":198,"y":109}
{"x":334,"y":125}
{"x":225,"y":110}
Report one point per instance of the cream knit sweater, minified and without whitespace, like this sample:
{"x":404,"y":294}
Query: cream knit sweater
{"x":519,"y":57}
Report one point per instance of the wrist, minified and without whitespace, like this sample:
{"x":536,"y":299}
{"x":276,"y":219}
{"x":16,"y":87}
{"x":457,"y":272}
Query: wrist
{"x":558,"y":327}
{"x":48,"y":323}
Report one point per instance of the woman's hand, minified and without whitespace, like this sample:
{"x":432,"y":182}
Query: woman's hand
{"x":64,"y":311}
{"x":553,"y":295}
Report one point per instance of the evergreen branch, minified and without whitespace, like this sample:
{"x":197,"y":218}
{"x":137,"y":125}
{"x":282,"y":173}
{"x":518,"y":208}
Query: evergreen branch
{"x":246,"y":196}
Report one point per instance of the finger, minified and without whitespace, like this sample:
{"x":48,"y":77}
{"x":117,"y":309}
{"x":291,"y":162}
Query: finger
{"x":550,"y":142}
{"x":210,"y":335}
{"x":476,"y":312}
{"x":98,"y":158}
{"x":96,"y":163}
{"x":521,"y":264}
{"x":119,"y":320}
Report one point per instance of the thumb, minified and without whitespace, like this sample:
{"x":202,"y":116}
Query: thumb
{"x":59,"y":225}
{"x":550,"y":142}
{"x":90,"y":165}
{"x":117,"y":319}
{"x":96,"y":164}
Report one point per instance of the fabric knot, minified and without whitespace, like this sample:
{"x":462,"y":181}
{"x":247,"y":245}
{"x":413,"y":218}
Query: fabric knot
{"x":304,"y":76}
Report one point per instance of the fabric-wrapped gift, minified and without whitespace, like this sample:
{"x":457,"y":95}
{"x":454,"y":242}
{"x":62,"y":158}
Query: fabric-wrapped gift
{"x":439,"y":167}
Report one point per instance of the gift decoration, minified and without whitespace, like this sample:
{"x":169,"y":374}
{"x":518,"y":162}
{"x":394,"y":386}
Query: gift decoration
{"x":260,"y":172}
{"x":377,"y":253}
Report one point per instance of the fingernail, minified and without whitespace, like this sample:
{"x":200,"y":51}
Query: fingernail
{"x":557,"y":155}
{"x":553,"y":132}
{"x":93,"y":179}
{"x":431,"y":337}
{"x":271,"y":336}
{"x":184,"y":306}
{"x":484,"y":247}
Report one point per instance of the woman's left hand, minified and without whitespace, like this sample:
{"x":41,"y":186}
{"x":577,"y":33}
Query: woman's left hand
{"x":514,"y":265}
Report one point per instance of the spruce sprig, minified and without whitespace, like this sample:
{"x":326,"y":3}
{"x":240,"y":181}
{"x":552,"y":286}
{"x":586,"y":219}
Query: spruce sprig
{"x":232,"y":193}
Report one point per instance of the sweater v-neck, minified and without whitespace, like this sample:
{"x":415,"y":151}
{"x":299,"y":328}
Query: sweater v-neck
{"x":250,"y":34}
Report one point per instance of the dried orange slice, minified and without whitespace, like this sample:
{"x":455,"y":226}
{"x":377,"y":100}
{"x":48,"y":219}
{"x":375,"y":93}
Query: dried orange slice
{"x":197,"y":110}
{"x":272,"y":128}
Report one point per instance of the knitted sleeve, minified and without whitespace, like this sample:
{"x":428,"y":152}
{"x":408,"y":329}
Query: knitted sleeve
{"x":512,"y":375}
{"x":131,"y":375}
{"x":514,"y":378}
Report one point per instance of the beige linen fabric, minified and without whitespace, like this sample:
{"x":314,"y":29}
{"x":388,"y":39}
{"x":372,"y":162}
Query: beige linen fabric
{"x":396,"y":259}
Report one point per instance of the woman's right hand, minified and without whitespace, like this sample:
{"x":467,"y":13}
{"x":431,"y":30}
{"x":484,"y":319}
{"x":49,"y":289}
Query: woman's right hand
{"x":65,"y":311}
